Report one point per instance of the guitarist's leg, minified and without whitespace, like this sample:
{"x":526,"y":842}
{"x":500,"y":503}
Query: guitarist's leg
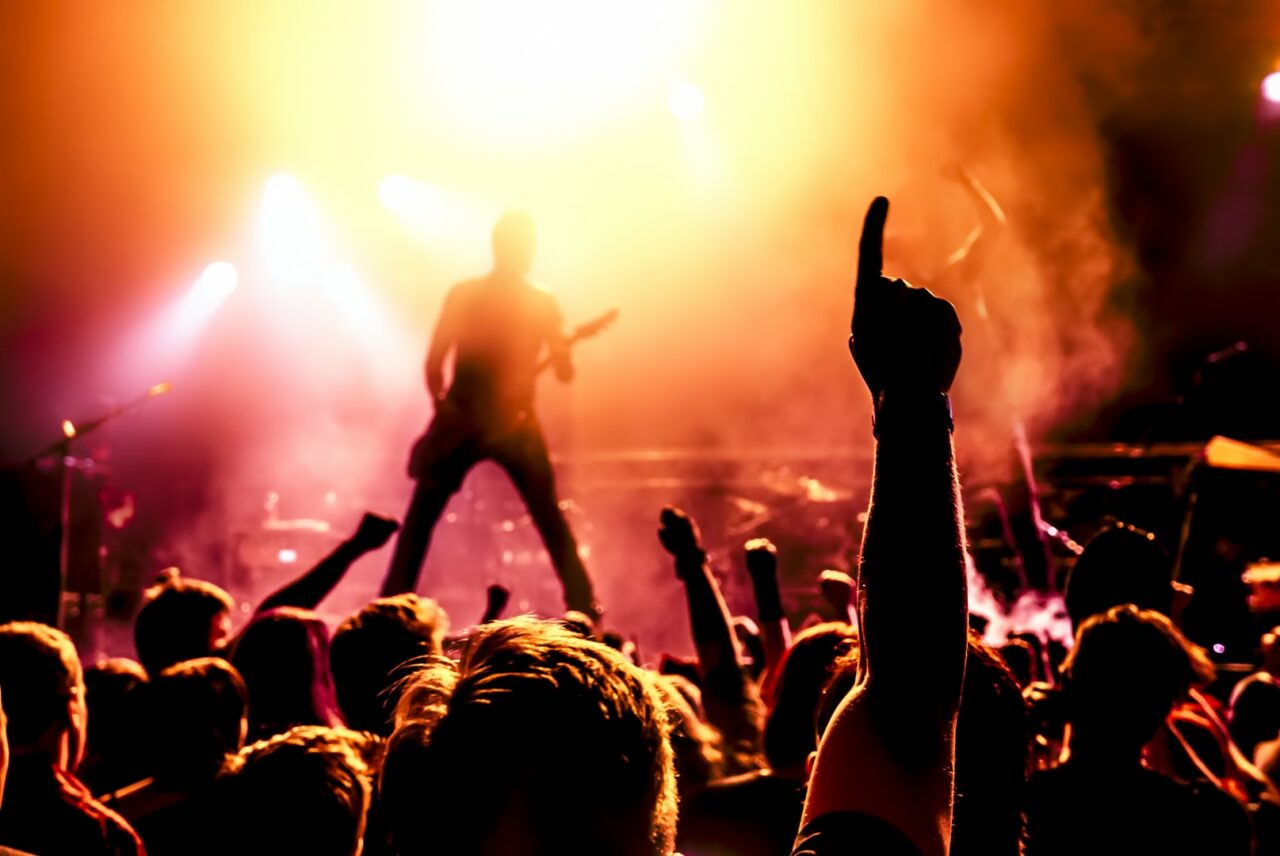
{"x":440,"y":461}
{"x":524,"y":457}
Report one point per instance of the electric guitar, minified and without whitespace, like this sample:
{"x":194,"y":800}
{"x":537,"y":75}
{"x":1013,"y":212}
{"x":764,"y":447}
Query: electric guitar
{"x":594,"y":327}
{"x":452,"y":422}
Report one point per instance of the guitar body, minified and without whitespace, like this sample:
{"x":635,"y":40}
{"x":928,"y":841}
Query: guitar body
{"x":465,"y":433}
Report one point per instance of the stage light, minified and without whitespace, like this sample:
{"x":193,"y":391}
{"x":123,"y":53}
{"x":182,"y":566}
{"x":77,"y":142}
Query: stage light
{"x":1271,"y":87}
{"x":287,"y":556}
{"x":524,"y":72}
{"x":197,"y":306}
{"x":217,"y":283}
{"x":419,"y":204}
{"x":292,"y":238}
{"x":68,"y":429}
{"x":686,"y":101}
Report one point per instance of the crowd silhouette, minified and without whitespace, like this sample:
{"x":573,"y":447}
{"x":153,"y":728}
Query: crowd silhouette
{"x":888,"y":728}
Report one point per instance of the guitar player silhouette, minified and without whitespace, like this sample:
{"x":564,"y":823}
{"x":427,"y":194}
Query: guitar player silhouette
{"x":497,"y":328}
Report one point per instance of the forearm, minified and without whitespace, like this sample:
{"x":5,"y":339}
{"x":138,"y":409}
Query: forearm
{"x":775,"y":631}
{"x":914,"y":616}
{"x":306,"y":591}
{"x":709,"y":618}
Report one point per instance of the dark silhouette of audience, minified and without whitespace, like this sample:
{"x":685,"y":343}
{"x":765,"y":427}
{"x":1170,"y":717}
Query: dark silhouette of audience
{"x":45,"y":808}
{"x":1128,"y":668}
{"x":891,"y":729}
{"x":195,"y":715}
{"x":114,"y":739}
{"x":370,"y":647}
{"x":283,"y":656}
{"x":307,"y":790}
{"x":537,"y":741}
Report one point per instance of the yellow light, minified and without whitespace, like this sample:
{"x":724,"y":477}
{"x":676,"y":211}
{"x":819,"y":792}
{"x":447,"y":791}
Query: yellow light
{"x":162,"y":388}
{"x":419,"y":204}
{"x":68,"y":428}
{"x":686,"y":101}
{"x":535,"y":72}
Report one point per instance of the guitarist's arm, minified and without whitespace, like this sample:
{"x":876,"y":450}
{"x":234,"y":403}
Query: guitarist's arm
{"x":446,"y":333}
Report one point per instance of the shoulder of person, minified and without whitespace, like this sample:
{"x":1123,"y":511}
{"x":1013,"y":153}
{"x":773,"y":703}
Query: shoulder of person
{"x":466,"y":287}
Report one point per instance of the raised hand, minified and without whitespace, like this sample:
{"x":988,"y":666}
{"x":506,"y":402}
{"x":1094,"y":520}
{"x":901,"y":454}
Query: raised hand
{"x":374,"y":531}
{"x":837,"y":590}
{"x":679,"y":535}
{"x":904,"y":339}
{"x":762,"y":557}
{"x":497,"y":597}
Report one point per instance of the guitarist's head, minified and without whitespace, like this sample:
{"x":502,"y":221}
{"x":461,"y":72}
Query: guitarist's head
{"x":513,"y":243}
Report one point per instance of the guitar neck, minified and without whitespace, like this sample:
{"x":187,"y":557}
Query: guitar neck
{"x":547,"y":362}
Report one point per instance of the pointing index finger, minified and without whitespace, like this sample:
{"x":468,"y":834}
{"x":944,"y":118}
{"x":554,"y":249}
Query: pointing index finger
{"x":871,"y":245}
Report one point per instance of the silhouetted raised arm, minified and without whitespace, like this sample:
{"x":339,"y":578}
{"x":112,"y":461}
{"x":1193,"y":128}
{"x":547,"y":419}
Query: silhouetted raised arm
{"x":708,"y":615}
{"x":775,"y":631}
{"x":888,"y":752}
{"x":308,"y":590}
{"x":496,"y":598}
{"x":730,"y":697}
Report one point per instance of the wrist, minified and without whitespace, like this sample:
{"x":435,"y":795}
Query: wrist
{"x":911,"y":411}
{"x":690,"y":561}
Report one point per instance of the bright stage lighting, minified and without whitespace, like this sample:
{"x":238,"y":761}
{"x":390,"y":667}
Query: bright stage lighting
{"x":217,"y":282}
{"x":526,"y":72}
{"x":292,"y":238}
{"x":686,"y":101}
{"x":419,"y":204}
{"x":1271,"y":87}
{"x":213,"y":287}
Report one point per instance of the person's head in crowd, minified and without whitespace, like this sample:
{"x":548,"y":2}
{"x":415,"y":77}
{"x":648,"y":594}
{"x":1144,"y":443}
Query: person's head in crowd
{"x":112,"y":694}
{"x":538,"y":741}
{"x":305,"y":791}
{"x":196,"y":717}
{"x":1121,"y":564}
{"x":181,"y":619}
{"x":369,"y":648}
{"x":283,"y":656}
{"x":43,"y":687}
{"x":993,"y":747}
{"x":1020,"y":657}
{"x":803,"y":673}
{"x":695,"y":745}
{"x":514,"y":241}
{"x":1127,"y":669}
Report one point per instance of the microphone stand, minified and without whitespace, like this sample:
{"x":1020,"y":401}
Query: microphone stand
{"x":62,"y":449}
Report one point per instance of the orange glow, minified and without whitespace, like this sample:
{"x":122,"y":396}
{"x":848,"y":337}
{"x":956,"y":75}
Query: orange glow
{"x":68,"y":428}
